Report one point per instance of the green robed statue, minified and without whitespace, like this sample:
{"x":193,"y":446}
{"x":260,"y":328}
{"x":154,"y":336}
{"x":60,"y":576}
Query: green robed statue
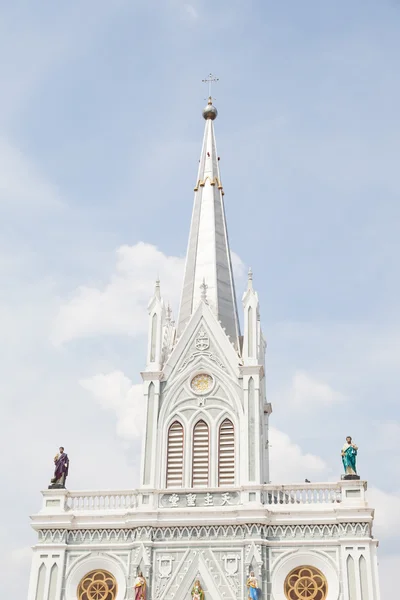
{"x":349,"y":453}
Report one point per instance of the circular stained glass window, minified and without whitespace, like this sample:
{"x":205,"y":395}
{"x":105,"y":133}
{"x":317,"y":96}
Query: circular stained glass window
{"x":97,"y":585}
{"x":201,"y":383}
{"x":306,"y":583}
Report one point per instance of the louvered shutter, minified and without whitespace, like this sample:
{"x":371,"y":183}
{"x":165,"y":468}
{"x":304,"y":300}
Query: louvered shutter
{"x":200,"y":468}
{"x":175,"y":455}
{"x":226,"y":454}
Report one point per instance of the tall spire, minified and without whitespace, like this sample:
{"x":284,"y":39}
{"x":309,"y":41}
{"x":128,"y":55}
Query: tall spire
{"x":208,"y":256}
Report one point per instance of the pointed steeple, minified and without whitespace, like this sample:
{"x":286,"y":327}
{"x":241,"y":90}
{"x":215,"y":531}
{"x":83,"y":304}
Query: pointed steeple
{"x":208,"y":256}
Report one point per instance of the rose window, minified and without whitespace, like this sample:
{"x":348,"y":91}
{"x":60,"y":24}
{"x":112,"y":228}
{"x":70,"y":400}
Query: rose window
{"x":306,"y":583}
{"x":201,"y":383}
{"x":97,"y":585}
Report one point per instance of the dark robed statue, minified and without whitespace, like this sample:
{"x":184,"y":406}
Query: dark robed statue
{"x":61,"y":462}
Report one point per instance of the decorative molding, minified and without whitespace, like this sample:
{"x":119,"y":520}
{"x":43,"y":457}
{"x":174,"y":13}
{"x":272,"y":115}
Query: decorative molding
{"x":198,"y":499}
{"x":194,"y":355}
{"x":155,"y":534}
{"x":202,"y":182}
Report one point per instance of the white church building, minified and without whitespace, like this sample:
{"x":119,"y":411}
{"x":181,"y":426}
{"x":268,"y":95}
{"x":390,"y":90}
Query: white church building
{"x":206,"y":508}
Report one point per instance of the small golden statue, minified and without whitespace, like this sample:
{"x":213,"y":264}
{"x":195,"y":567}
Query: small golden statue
{"x":197,"y":591}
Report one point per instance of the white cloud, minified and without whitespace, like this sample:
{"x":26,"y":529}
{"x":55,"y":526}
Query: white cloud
{"x":114,"y":391}
{"x":388,"y":575}
{"x":387,"y":512}
{"x":21,"y":555}
{"x":120,"y":306}
{"x":239,"y":268}
{"x":16,"y":563}
{"x":306,"y":391}
{"x":190,"y":11}
{"x":289,"y":464}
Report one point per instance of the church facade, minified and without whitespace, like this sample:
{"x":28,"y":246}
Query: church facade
{"x":206,"y":510}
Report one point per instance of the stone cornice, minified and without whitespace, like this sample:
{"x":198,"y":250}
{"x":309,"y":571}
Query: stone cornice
{"x":267,"y":533}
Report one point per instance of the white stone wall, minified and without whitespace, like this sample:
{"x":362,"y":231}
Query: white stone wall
{"x":171,"y":558}
{"x":206,"y":350}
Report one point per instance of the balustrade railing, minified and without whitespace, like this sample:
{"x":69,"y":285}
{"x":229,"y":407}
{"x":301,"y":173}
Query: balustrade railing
{"x":300,"y":494}
{"x":270,"y":495}
{"x":105,"y":500}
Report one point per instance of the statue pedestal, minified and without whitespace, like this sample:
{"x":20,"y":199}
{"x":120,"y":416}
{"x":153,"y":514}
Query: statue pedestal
{"x":56,"y":486}
{"x":351,"y":477}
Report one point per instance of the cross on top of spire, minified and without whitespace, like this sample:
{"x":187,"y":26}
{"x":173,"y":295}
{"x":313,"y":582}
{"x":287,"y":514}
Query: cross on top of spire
{"x":210,"y":80}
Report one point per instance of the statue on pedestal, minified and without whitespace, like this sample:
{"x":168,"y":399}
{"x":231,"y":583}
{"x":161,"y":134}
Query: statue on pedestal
{"x":140,"y":587}
{"x":197,"y":591}
{"x":349,"y":453}
{"x":252,"y":586}
{"x":61,"y":462}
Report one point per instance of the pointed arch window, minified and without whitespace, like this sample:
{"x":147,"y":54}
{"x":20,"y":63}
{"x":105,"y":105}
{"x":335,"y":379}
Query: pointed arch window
{"x":175,"y":455}
{"x":250,"y":332}
{"x":41,"y":582}
{"x":201,"y":455}
{"x":53,"y":581}
{"x":153,"y":338}
{"x":351,"y":578}
{"x":364,"y":578}
{"x":226,"y":453}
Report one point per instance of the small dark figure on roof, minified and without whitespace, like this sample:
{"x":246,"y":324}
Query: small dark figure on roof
{"x":61,"y":462}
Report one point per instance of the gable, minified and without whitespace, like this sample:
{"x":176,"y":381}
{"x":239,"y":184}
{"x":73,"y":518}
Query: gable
{"x":203,"y":336}
{"x":203,"y":566}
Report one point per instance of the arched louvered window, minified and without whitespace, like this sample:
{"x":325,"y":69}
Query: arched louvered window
{"x":201,"y":452}
{"x":226,"y":454}
{"x":175,"y":455}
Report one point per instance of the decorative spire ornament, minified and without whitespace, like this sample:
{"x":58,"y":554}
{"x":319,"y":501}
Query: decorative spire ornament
{"x":204,"y":288}
{"x":208,"y":254}
{"x":210,"y":80}
{"x":168,"y":313}
{"x":250,"y":279}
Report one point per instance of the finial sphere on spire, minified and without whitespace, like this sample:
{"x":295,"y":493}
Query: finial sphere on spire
{"x":210,"y":112}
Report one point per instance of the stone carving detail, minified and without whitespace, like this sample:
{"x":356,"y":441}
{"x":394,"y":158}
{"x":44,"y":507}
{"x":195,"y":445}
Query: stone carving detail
{"x":273,"y":532}
{"x":191,"y":499}
{"x":199,"y":499}
{"x":194,"y":355}
{"x":165,"y":566}
{"x":174,"y":500}
{"x":231,"y":562}
{"x":202,"y":342}
{"x":163,"y":573}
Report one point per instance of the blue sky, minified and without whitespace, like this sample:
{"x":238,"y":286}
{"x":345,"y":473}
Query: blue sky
{"x":100,"y":133}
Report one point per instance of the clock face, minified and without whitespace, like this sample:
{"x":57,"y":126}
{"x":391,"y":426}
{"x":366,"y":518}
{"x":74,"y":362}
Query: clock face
{"x":201,"y":383}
